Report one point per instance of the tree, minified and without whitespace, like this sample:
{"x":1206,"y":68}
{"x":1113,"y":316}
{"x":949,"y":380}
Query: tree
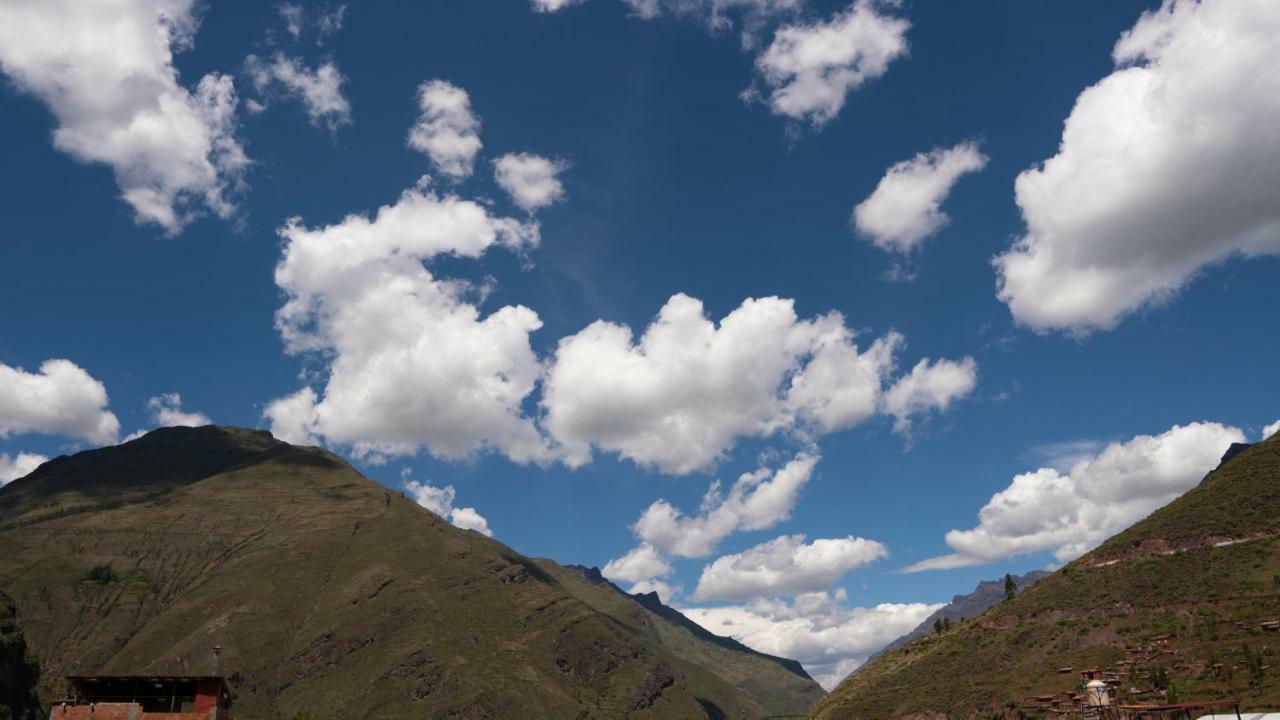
{"x":937,"y":626}
{"x":1010,"y":586}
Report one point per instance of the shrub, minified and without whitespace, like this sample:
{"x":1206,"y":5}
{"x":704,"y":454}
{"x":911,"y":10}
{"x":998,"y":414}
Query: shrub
{"x":101,"y":574}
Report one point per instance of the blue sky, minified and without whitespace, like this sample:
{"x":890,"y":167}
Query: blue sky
{"x":675,"y":182}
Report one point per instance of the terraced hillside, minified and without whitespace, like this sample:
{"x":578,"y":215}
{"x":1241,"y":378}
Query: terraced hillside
{"x":331,"y":594}
{"x":1181,"y":605}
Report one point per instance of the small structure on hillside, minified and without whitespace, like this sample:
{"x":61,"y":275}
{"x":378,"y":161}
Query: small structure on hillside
{"x":144,"y":697}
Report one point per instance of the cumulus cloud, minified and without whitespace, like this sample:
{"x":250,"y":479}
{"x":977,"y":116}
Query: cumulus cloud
{"x":61,"y":399}
{"x":1071,"y":513}
{"x":439,"y":500}
{"x":1166,"y":166}
{"x":319,"y":90}
{"x":756,"y":501}
{"x":929,"y":386}
{"x":665,"y":591}
{"x":530,"y":179}
{"x":106,"y":72}
{"x":809,"y":69}
{"x":643,"y":563}
{"x":827,"y":637}
{"x":1271,"y":429}
{"x":447,"y":131}
{"x":166,"y":411}
{"x":905,"y":207}
{"x":292,"y":417}
{"x":23,"y":464}
{"x":679,"y":397}
{"x":412,"y":362}
{"x":786,"y":565}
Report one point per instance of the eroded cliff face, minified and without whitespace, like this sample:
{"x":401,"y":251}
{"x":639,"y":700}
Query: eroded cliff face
{"x":19,"y":672}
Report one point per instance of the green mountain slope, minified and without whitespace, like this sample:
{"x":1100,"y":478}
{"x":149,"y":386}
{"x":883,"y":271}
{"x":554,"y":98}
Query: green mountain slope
{"x":327,"y":592}
{"x":1176,"y":607}
{"x":962,"y":607}
{"x":770,"y":685}
{"x":19,"y":672}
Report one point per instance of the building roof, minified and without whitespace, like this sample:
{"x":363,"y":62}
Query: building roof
{"x":161,"y":677}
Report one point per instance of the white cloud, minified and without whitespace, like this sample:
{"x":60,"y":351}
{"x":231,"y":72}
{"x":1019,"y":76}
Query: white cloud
{"x":928,"y":387}
{"x":827,"y":637}
{"x":23,"y":464}
{"x":905,"y":207}
{"x":468,"y":519}
{"x":786,"y":565}
{"x":329,"y":22}
{"x":326,"y":21}
{"x":166,"y":411}
{"x":719,"y":14}
{"x":529,"y":179}
{"x":319,"y":90}
{"x":1167,"y":165}
{"x":293,"y":18}
{"x":411,"y":361}
{"x":1271,"y":429}
{"x":641,"y":564}
{"x":810,"y":69}
{"x":447,"y":131}
{"x":550,"y":6}
{"x":681,"y":396}
{"x":293,"y":417}
{"x":666,"y":591}
{"x":439,"y":500}
{"x":62,"y":399}
{"x":106,"y":72}
{"x":1071,"y":513}
{"x":756,"y":501}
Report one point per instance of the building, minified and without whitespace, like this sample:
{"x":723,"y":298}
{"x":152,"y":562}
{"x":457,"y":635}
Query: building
{"x":144,"y":697}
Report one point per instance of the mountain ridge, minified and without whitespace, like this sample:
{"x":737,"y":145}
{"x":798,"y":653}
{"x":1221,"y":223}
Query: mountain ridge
{"x":334,"y":595}
{"x":1175,"y":606}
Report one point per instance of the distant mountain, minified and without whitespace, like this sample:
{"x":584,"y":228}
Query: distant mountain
{"x":333,"y":595}
{"x":962,"y":607}
{"x":19,"y":672}
{"x":1184,"y":604}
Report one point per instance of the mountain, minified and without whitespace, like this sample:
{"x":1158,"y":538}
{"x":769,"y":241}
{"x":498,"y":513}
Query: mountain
{"x":1181,"y":605}
{"x":774,"y":683}
{"x":19,"y":672}
{"x":331,"y":594}
{"x":987,"y":594}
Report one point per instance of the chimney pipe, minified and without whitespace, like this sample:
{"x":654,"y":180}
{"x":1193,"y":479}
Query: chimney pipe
{"x":217,"y":659}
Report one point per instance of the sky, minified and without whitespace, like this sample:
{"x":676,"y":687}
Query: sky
{"x":806,"y":315}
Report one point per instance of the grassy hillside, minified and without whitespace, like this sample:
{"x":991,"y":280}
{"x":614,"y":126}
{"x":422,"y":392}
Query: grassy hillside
{"x":963,"y":607}
{"x":328,"y":593}
{"x":763,"y":684}
{"x":1172,"y":607}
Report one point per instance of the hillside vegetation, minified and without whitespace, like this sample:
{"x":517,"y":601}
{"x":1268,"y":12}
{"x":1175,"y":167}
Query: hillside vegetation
{"x":1177,"y":607}
{"x":19,"y":672}
{"x":332,"y":595}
